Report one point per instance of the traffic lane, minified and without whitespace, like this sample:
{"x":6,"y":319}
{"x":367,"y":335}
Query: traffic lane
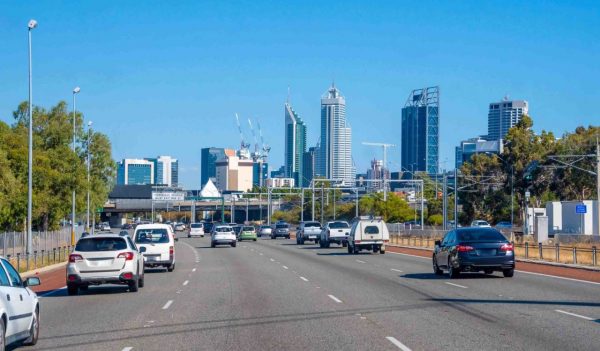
{"x":239,"y":299}
{"x":441,"y":304}
{"x":104,"y":316}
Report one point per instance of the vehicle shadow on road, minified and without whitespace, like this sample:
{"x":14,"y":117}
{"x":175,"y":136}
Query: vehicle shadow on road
{"x":98,"y":290}
{"x":520,"y":302}
{"x":342,"y":254}
{"x":432,"y":276}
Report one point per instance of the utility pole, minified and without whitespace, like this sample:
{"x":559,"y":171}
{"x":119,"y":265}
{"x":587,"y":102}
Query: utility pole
{"x":31,"y":25}
{"x":455,"y":198}
{"x":445,"y":202}
{"x":302,"y":206}
{"x":313,"y":200}
{"x":598,"y":184}
{"x":385,"y":147}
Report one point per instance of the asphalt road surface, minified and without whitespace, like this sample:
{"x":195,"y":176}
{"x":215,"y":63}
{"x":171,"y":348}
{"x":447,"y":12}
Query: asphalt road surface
{"x":276,"y":295}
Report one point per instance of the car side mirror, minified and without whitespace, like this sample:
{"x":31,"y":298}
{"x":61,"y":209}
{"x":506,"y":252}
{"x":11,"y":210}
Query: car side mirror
{"x":31,"y":281}
{"x":142,"y":249}
{"x":438,"y":243}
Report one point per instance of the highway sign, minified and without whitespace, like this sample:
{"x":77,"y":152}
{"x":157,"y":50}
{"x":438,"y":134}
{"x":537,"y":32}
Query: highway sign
{"x":581,"y":209}
{"x":168,"y":196}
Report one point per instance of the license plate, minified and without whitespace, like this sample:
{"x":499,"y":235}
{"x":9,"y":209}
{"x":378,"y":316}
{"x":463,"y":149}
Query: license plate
{"x":312,"y":236}
{"x":151,"y":258}
{"x":100,"y":263}
{"x":486,"y":252}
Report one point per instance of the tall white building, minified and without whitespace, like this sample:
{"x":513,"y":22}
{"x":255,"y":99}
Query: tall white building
{"x":234,"y":174}
{"x":504,"y":115}
{"x":335,"y":147}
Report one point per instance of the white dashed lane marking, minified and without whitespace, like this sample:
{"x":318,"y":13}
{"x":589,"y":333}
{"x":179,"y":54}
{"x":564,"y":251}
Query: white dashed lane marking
{"x":193,"y":270}
{"x":335,"y":299}
{"x":284,"y":267}
{"x":129,"y":348}
{"x":304,"y":279}
{"x":398,"y":344}
{"x":396,"y":270}
{"x":359,"y":261}
{"x":167,"y":305}
{"x":186,"y":282}
{"x":456,"y":285}
{"x":575,"y":315}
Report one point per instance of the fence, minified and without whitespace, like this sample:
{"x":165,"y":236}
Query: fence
{"x":48,"y":247}
{"x":549,"y":253}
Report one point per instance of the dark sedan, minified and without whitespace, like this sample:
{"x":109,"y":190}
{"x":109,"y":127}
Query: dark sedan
{"x":474,"y":250}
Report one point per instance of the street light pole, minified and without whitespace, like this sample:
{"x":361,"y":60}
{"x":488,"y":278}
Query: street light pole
{"x":75,"y":92}
{"x":32,"y":24}
{"x":88,"y":174}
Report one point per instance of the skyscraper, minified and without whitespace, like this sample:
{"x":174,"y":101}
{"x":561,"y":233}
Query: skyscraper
{"x":335,"y":148}
{"x":420,"y":131}
{"x":504,"y":115}
{"x":166,"y":170}
{"x":308,"y":166}
{"x":135,"y":171}
{"x":209,"y":157}
{"x":295,"y":144}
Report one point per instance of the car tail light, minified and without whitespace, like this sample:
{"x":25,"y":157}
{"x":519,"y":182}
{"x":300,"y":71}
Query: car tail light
{"x":74,"y":258}
{"x":127,"y":275}
{"x":171,"y":249}
{"x":386,"y":241}
{"x":357,"y":241}
{"x":128,"y":256}
{"x":464,"y":248}
{"x":507,"y":247}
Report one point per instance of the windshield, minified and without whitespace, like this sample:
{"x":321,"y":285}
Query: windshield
{"x":100,"y":244}
{"x":265,"y":227}
{"x":480,"y":235}
{"x":196,"y":225}
{"x":152,"y":235}
{"x":223,"y":229}
{"x":338,"y":225}
{"x":248,"y":229}
{"x":282,"y":226}
{"x":312,"y":224}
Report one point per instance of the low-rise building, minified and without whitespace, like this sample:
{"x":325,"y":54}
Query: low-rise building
{"x":280,"y":182}
{"x":234,"y":174}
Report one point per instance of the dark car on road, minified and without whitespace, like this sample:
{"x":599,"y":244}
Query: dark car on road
{"x":208,"y":227}
{"x":474,"y":250}
{"x":281,"y":229}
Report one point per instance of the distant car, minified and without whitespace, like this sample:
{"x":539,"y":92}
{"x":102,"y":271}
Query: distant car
{"x":308,"y":231}
{"x":247,"y":233}
{"x":236,"y":229}
{"x":196,"y":229}
{"x":503,"y":225}
{"x":208,"y":227}
{"x":473,"y":250}
{"x":19,"y":307}
{"x":105,"y":226}
{"x":179,"y":227}
{"x":368,"y":234}
{"x":126,"y":226}
{"x":450,"y":224}
{"x":223,"y":235}
{"x":413,"y":224}
{"x":281,"y":229}
{"x":159,"y":241}
{"x":105,"y":259}
{"x":480,"y":224}
{"x":265,"y":230}
{"x":335,"y":232}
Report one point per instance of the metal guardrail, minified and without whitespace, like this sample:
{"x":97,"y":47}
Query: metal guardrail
{"x":14,"y":243}
{"x":24,"y":262}
{"x":587,"y":256}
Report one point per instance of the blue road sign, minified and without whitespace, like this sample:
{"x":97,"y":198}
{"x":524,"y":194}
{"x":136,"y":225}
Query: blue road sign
{"x":581,"y":209}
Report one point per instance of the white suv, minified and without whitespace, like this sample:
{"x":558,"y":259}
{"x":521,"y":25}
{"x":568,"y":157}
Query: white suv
{"x":105,"y":259}
{"x":19,"y":307}
{"x":196,"y":229}
{"x":223,"y":235}
{"x":159,"y":242}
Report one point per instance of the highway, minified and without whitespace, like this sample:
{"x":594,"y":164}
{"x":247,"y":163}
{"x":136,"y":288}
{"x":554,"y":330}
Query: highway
{"x":276,"y":295}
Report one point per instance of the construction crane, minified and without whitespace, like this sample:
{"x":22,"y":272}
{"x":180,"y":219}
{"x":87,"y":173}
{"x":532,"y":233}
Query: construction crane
{"x":265,"y":148}
{"x":385,"y":147}
{"x":244,"y":147}
{"x":256,"y":154}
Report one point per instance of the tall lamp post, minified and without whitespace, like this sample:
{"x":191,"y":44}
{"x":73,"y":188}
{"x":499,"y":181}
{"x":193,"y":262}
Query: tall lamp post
{"x":88,"y":173}
{"x":31,"y":25}
{"x":75,"y":92}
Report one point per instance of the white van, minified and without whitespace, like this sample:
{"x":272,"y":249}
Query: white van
{"x":196,"y":229}
{"x":368,"y":233}
{"x":159,"y":241}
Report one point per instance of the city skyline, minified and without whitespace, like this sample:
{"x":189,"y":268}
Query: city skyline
{"x":179,"y":91}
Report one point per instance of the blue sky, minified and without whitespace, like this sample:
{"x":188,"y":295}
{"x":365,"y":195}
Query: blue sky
{"x":166,"y":78}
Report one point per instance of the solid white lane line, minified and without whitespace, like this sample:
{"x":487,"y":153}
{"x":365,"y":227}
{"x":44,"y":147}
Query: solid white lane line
{"x":167,"y":305}
{"x":260,"y":254}
{"x":335,"y":299}
{"x":456,"y":285}
{"x":557,"y":277}
{"x":396,"y":270}
{"x":576,"y":315}
{"x":193,"y":270}
{"x":186,"y":282}
{"x":359,"y":261}
{"x":129,"y":348}
{"x":398,"y":253}
{"x":285,"y":267}
{"x":398,"y":344}
{"x":304,"y":279}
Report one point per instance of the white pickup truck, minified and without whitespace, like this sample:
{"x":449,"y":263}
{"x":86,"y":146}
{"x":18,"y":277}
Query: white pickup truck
{"x":308,"y":231}
{"x":335,"y":232}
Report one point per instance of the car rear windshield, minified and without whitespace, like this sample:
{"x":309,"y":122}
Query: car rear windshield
{"x":281,"y":226}
{"x":312,"y":224}
{"x":196,"y":225}
{"x":100,"y":244}
{"x":248,"y":229}
{"x":337,"y":225}
{"x":371,"y":229}
{"x":480,"y":235}
{"x":154,"y":235}
{"x":223,"y":229}
{"x":265,"y":226}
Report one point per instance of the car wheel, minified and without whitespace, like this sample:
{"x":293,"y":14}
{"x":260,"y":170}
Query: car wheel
{"x":212,"y":244}
{"x":287,"y":237}
{"x":382,"y":252}
{"x":72,"y":289}
{"x":508,"y":273}
{"x":84,"y":287}
{"x":233,"y":244}
{"x":349,"y":249}
{"x":171,"y":268}
{"x":327,"y":244}
{"x":272,"y":237}
{"x":453,"y":272}
{"x":344,"y":244}
{"x":141,"y":282}
{"x":34,"y":332}
{"x":436,"y":268}
{"x":133,"y":285}
{"x":488,"y":271}
{"x":2,"y":334}
{"x":254,"y":239}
